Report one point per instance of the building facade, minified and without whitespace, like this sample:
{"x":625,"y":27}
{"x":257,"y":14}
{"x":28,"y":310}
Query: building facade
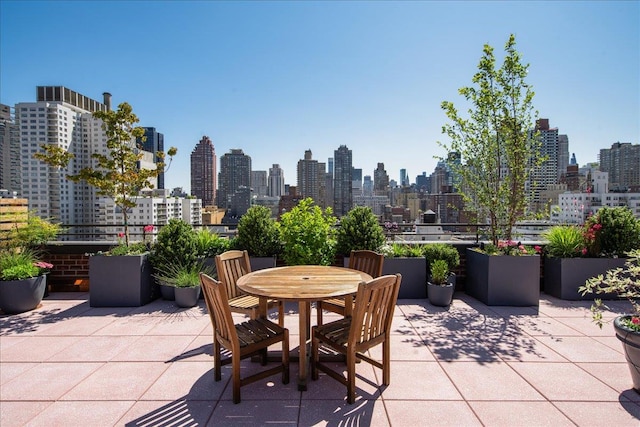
{"x":153,"y":143}
{"x":309,"y":177}
{"x":342,"y":181}
{"x":10,"y":179}
{"x":235,"y":174}
{"x":622,"y":163}
{"x":204,"y":172}
{"x":276,"y":181}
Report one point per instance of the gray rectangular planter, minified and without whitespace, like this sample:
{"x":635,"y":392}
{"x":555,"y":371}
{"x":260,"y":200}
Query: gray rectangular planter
{"x":503,"y":279}
{"x":563,"y":276}
{"x":121,"y":281}
{"x":414,"y":275}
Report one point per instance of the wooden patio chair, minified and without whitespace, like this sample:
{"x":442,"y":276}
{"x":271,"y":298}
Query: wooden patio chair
{"x":369,"y":326}
{"x":243,"y":340}
{"x":231,"y":265}
{"x":368,"y":261}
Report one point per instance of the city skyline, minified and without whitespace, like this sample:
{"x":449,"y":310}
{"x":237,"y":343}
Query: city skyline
{"x":277,"y":79}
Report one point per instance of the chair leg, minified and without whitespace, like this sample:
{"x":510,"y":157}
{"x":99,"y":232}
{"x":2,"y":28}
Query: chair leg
{"x":351,"y":376}
{"x":314,"y":356}
{"x":386,"y":364}
{"x":217,"y":360}
{"x":319,"y":311}
{"x":285,"y":357}
{"x":235,"y":361}
{"x":281,"y":314}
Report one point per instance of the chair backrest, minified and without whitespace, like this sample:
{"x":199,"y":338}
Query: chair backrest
{"x":215,"y":296}
{"x":367,"y":261}
{"x":373,"y":310}
{"x":231,"y":265}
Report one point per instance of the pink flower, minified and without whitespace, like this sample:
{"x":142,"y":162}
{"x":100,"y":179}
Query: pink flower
{"x":42,"y":264}
{"x":584,"y":251}
{"x":148,"y":228}
{"x":597,"y":226}
{"x":635,"y":320}
{"x":121,"y":235}
{"x":538,"y":249}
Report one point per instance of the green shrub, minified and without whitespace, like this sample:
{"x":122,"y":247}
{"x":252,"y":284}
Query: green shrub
{"x":258,"y":233}
{"x":175,"y":244}
{"x":308,"y":235}
{"x":564,"y":241}
{"x":612,"y":232}
{"x":209,"y":244}
{"x":441,"y":251}
{"x":18,"y":265}
{"x":439,"y":272}
{"x":359,"y":230}
{"x":399,"y":250}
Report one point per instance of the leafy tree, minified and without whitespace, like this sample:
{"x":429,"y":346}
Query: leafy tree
{"x":258,"y":233}
{"x":308,"y":235}
{"x":117,"y":174}
{"x":359,"y":230}
{"x":495,"y":142}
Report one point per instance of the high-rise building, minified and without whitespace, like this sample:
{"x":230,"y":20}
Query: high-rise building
{"x":309,"y":178}
{"x":276,"y":181}
{"x":234,"y":175}
{"x":622,"y":162}
{"x":404,"y":178}
{"x":259,"y":183}
{"x":9,"y":152}
{"x":203,"y":172}
{"x":153,"y":143}
{"x":356,"y":181}
{"x":342,"y":181}
{"x":64,"y":118}
{"x":367,"y":186}
{"x":380,"y":180}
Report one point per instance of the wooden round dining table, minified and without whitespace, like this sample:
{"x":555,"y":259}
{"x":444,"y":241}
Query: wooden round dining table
{"x":304,"y":284}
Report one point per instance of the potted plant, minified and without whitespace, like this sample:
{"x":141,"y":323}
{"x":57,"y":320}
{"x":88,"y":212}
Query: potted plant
{"x":176,"y":244}
{"x":496,"y":149}
{"x":573,"y":254}
{"x":22,"y":280}
{"x":409,"y":261}
{"x":185,"y":279}
{"x":308,"y":235}
{"x":442,"y":280}
{"x":115,"y":174}
{"x":625,"y":283}
{"x":359,"y":230}
{"x":259,"y":235}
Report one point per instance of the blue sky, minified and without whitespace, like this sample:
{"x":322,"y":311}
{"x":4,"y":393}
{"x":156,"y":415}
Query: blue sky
{"x":278,"y":78}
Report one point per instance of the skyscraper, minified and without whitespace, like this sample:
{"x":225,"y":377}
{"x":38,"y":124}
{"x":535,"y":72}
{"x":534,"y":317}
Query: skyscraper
{"x":276,"y":181}
{"x":154,"y":142}
{"x":259,"y":183}
{"x":554,"y":149}
{"x":309,"y":177}
{"x":342,"y":194}
{"x":622,"y":161}
{"x":234,"y":176}
{"x":9,"y":151}
{"x":380,"y":180}
{"x":203,"y":172}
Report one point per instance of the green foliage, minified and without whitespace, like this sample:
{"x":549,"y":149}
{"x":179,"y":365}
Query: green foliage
{"x":34,"y":233}
{"x":509,"y":247}
{"x":441,"y":251}
{"x":258,"y":233}
{"x":18,"y":265}
{"x":175,"y":245}
{"x":439,"y":272}
{"x":182,"y":276}
{"x":116,"y":174}
{"x":612,"y":232}
{"x":564,"y":241}
{"x":624,"y":282}
{"x":494,"y":145}
{"x":123,"y":250}
{"x":209,"y":244}
{"x":402,"y":250}
{"x":359,"y":230}
{"x":308,"y":235}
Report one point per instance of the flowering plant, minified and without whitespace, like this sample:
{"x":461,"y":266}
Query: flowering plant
{"x":19,"y":265}
{"x":131,"y":249}
{"x":509,"y":247}
{"x":624,"y":282}
{"x":611,"y":232}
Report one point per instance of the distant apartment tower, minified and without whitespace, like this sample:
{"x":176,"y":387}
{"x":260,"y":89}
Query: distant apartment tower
{"x":622,"y":162}
{"x":9,"y":152}
{"x":153,"y":143}
{"x":380,"y":180}
{"x":234,"y":175}
{"x":342,"y":181}
{"x":203,"y":172}
{"x":276,"y":181}
{"x":554,"y":149}
{"x":309,"y":177}
{"x":404,"y":178}
{"x":259,"y":183}
{"x":64,"y":118}
{"x":367,"y":186}
{"x":356,"y":181}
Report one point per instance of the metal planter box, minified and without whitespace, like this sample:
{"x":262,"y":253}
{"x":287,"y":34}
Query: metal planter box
{"x":563,"y":276}
{"x":414,"y":275}
{"x":121,"y":281}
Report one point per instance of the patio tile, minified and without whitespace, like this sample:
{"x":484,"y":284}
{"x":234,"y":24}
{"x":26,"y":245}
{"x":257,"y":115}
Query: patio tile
{"x":338,"y":413}
{"x":430,"y":413}
{"x":419,"y":381}
{"x":130,"y":325}
{"x":509,"y":414}
{"x":168,"y":413}
{"x":405,"y":347}
{"x":155,"y":348}
{"x":199,"y":350}
{"x":117,"y":381}
{"x":582,"y":349}
{"x":616,"y":375}
{"x":564,"y":381}
{"x":102,"y":413}
{"x":256,"y":412}
{"x":46,"y":381}
{"x":181,"y":325}
{"x":94,"y":349}
{"x":525,"y":348}
{"x":77,"y":326}
{"x":545,"y":326}
{"x":35,"y":349}
{"x":186,"y":381}
{"x":586,"y":326}
{"x":11,"y":370}
{"x":19,"y":413}
{"x":601,"y":414}
{"x":489,"y":381}
{"x":367,"y":385}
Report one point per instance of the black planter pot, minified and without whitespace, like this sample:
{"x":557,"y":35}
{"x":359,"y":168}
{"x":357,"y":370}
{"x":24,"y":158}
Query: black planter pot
{"x":18,"y":296}
{"x":442,"y":295}
{"x":563,"y":276}
{"x":631,"y":344}
{"x":414,"y":275}
{"x":121,"y":281}
{"x":168,"y":292}
{"x":187,"y":297}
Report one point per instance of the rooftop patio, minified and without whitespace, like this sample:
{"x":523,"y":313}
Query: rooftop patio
{"x":66,"y":363}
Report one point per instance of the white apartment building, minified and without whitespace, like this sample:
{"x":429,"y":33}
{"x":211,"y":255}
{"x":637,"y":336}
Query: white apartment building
{"x":575,"y":207}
